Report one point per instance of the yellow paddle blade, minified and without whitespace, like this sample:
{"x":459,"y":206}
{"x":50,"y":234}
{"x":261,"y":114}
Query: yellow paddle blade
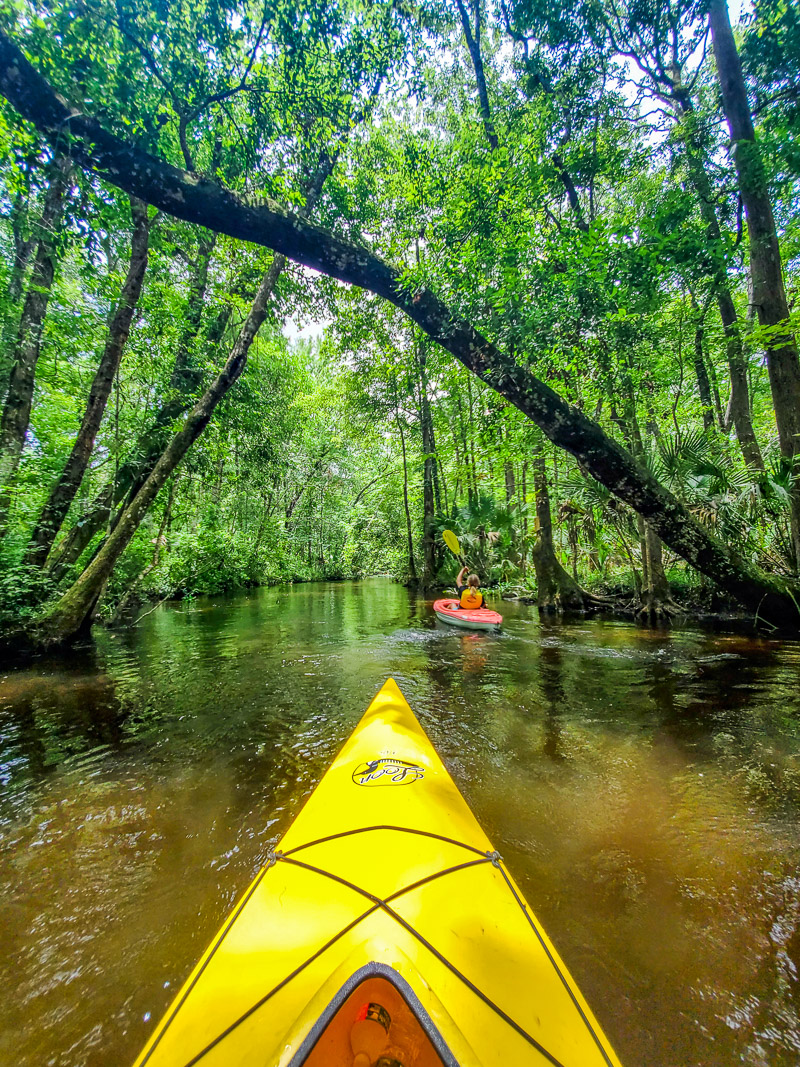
{"x":451,"y":541}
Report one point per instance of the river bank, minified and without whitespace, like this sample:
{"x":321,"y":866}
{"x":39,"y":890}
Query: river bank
{"x":692,"y":601}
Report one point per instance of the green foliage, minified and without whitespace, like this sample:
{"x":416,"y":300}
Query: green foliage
{"x":579,"y":244}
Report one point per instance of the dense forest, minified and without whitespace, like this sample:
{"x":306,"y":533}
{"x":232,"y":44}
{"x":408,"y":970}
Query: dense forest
{"x":287,"y":290}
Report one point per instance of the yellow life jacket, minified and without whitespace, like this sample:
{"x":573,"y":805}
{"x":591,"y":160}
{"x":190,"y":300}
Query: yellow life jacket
{"x":471,"y":598}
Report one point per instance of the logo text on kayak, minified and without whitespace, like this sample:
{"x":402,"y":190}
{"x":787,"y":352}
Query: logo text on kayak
{"x":387,"y":772}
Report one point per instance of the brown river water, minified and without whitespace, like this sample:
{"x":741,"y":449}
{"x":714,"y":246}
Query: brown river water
{"x":643,"y":787}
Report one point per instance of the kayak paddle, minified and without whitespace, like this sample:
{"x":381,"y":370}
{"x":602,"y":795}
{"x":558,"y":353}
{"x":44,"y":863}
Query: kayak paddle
{"x":451,"y":541}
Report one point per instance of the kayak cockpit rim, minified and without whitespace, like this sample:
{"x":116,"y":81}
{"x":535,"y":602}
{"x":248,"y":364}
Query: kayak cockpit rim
{"x":374,"y":970}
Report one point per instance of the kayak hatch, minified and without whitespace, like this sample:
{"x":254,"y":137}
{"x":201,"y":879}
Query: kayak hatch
{"x":383,"y":917}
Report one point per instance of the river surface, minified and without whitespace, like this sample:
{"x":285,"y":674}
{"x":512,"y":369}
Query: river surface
{"x":643,"y":787}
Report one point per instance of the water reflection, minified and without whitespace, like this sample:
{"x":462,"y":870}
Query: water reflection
{"x":644,"y":787}
{"x":551,"y":680}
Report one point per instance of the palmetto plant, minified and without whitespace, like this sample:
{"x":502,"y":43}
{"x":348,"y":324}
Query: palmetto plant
{"x":605,"y":526}
{"x":772,"y":503}
{"x":717,"y":488}
{"x":697,"y":469}
{"x":724,"y":495}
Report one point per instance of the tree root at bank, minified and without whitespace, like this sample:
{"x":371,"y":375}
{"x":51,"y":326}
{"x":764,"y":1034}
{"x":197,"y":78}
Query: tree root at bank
{"x":556,"y":589}
{"x":655,"y":607}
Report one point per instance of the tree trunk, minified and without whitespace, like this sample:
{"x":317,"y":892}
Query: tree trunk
{"x":429,"y":567}
{"x":412,"y":568}
{"x":474,"y":46}
{"x":656,"y":601}
{"x":555,"y":589}
{"x":444,"y":507}
{"x":769,"y":293}
{"x":641,"y":529}
{"x":63,"y":492}
{"x":73,"y":611}
{"x":199,"y":200}
{"x":16,"y":413}
{"x":738,"y":414}
{"x":524,"y":498}
{"x":712,"y":374}
{"x":703,"y":383}
{"x":470,"y":434}
{"x":510,"y":480}
{"x":23,"y":250}
{"x":184,"y":380}
{"x":654,"y":592}
{"x":471,"y":489}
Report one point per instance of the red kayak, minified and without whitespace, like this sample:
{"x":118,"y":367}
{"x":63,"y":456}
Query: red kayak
{"x":480,"y":619}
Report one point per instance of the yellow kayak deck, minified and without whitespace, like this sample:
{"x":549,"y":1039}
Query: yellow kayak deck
{"x":384,"y":886}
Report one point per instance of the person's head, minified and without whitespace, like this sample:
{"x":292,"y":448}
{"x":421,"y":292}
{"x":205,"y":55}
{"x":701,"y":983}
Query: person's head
{"x":473,"y":581}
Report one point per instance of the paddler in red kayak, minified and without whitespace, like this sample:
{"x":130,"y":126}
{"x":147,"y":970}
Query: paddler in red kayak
{"x":470,"y":596}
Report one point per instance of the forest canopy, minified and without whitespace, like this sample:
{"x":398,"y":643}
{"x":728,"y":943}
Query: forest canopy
{"x":548,"y":257}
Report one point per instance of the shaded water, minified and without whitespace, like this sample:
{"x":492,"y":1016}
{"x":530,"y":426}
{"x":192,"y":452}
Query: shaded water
{"x":642,"y":786}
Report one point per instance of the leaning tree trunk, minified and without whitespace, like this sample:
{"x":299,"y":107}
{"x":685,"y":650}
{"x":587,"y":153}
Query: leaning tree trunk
{"x":556,"y":590}
{"x":184,"y":380}
{"x":63,"y":492}
{"x":200,"y":200}
{"x":769,"y":293}
{"x":71,"y":613}
{"x":16,"y":413}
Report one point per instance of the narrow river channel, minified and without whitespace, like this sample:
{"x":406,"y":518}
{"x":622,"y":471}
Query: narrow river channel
{"x":643,"y":787}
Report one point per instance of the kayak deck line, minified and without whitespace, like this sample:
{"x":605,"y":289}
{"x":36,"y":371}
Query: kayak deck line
{"x":359,"y":885}
{"x":367,"y":829}
{"x":494,"y":860}
{"x":376,"y":904}
{"x":272,"y":859}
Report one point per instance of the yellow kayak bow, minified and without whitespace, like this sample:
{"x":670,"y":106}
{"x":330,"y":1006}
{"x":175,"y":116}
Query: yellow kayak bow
{"x":384,"y":926}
